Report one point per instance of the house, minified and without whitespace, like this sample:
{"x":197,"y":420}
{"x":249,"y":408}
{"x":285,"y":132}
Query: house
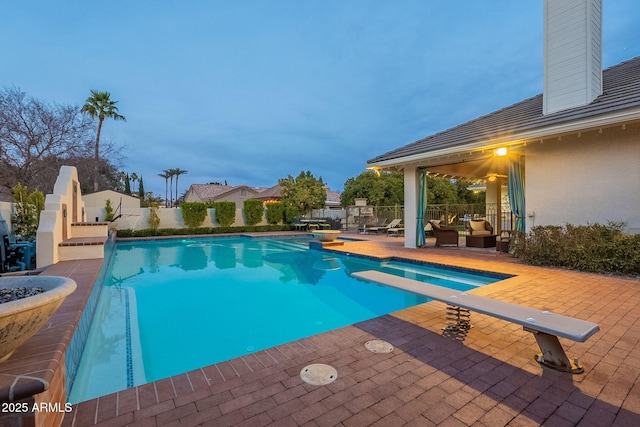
{"x":218,"y":193}
{"x":569,"y":155}
{"x":271,"y":194}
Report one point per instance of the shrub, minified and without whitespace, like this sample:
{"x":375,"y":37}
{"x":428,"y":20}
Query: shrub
{"x":108,"y":209}
{"x":154,"y":219}
{"x":253,"y":211}
{"x":225,"y":213}
{"x":290,"y":212}
{"x":193,"y":213}
{"x":26,"y":212}
{"x":275,"y":212}
{"x":592,"y":248}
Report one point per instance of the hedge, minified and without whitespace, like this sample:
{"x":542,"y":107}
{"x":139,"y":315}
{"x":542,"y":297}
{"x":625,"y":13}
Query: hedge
{"x":253,"y":211}
{"x":225,"y":213}
{"x":193,"y":213}
{"x":593,"y":248}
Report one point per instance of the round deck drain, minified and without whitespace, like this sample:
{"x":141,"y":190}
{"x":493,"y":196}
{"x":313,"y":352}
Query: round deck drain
{"x":378,"y":346}
{"x":318,"y":374}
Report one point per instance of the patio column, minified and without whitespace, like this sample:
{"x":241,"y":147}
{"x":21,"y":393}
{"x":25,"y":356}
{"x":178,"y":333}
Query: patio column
{"x":493,"y":212}
{"x":411,"y":187}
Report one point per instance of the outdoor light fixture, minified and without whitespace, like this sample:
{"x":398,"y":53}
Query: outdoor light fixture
{"x":493,"y":176}
{"x":375,"y":169}
{"x":502,"y":151}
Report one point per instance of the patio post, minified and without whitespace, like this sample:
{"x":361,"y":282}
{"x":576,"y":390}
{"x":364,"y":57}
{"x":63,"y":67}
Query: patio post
{"x":411,"y":188}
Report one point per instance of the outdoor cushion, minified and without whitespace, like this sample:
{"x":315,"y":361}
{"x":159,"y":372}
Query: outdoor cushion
{"x":481,"y":233}
{"x":477,"y":226}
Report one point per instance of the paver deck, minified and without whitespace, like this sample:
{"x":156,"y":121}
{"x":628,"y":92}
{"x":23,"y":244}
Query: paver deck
{"x":488,"y":379}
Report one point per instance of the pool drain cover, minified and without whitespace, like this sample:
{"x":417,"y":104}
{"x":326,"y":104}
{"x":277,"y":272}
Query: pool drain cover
{"x":378,"y":346}
{"x":318,"y":374}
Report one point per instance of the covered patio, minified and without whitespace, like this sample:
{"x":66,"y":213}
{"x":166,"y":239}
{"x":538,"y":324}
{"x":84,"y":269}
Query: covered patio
{"x":499,"y":168}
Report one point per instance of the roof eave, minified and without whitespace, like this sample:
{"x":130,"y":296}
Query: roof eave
{"x":515,"y":139}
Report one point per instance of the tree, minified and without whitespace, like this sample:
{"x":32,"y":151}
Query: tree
{"x":388,"y":190}
{"x":27,"y":208}
{"x":36,"y":138}
{"x":384,"y":190}
{"x":177,"y":172}
{"x":441,"y":191}
{"x":166,"y":176}
{"x":169,"y":173}
{"x":140,"y":189}
{"x":134,"y":177}
{"x":304,"y":192}
{"x":127,"y":185}
{"x":100,"y":105}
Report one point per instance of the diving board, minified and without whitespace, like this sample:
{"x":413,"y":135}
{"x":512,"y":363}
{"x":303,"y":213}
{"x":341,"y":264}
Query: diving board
{"x":545,"y":326}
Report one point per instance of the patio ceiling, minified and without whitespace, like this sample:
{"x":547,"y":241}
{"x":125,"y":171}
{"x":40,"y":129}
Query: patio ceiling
{"x":470,"y":165}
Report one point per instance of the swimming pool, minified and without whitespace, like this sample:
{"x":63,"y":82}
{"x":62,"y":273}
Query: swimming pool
{"x":171,"y":306}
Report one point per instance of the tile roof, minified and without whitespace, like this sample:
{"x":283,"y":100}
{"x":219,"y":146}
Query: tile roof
{"x":621,"y":91}
{"x":210,"y":191}
{"x":270,"y":193}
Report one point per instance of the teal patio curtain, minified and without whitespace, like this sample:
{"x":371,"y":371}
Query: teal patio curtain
{"x":421,"y":239}
{"x":516,"y":192}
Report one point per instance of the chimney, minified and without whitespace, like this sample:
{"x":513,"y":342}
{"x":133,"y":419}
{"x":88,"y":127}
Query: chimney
{"x":572,"y":53}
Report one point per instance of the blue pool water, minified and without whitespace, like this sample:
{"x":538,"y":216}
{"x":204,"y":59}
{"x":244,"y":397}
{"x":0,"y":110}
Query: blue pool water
{"x":172,"y":306}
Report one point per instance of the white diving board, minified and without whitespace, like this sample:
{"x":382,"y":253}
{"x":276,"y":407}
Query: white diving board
{"x":545,"y":326}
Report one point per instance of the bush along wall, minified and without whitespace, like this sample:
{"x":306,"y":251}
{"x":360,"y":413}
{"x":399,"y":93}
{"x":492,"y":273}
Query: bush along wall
{"x":593,"y":248}
{"x":225,"y":213}
{"x":275,"y":212}
{"x":193,"y":213}
{"x":253,"y":212}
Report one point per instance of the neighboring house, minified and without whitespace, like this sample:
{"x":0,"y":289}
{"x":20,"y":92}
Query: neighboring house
{"x":569,"y":155}
{"x":270,"y":195}
{"x":333,"y":198}
{"x":218,"y":193}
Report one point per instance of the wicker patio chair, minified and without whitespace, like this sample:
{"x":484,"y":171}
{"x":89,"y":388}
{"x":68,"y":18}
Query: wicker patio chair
{"x":444,"y":235}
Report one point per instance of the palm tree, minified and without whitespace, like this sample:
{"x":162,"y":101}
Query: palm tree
{"x":177,"y":172}
{"x":100,"y":105}
{"x":169,"y":173}
{"x":166,"y":176}
{"x":134,"y":178}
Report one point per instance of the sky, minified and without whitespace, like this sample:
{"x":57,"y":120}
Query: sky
{"x":251,"y":91}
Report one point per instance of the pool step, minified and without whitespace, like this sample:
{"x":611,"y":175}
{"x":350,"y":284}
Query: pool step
{"x":86,"y":241}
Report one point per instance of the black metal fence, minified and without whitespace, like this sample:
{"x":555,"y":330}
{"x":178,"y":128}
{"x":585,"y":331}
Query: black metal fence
{"x":455,"y":215}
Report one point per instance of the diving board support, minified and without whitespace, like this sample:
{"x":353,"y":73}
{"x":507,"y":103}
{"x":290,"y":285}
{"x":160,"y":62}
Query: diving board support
{"x":553,"y":355}
{"x":545,"y":326}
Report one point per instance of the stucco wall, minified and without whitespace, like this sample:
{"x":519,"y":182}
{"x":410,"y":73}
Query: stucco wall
{"x":98,"y":200}
{"x":59,"y":213}
{"x":137,"y":218}
{"x":587,"y":179}
{"x":6,"y":208}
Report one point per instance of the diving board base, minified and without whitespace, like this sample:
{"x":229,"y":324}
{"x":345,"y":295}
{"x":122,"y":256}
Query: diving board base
{"x":553,"y":355}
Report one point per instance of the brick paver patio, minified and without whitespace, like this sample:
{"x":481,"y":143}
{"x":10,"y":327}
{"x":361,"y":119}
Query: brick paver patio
{"x":488,"y":379}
